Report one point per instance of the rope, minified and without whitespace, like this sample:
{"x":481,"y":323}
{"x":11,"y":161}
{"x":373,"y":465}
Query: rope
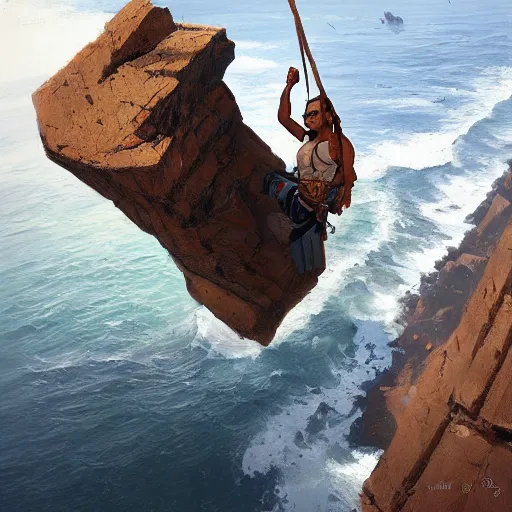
{"x":304,"y":47}
{"x":301,"y":47}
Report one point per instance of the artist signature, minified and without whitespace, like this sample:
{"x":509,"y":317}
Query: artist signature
{"x":487,"y":483}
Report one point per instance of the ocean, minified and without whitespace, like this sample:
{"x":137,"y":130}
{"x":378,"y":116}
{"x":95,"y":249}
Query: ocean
{"x":118,"y":392}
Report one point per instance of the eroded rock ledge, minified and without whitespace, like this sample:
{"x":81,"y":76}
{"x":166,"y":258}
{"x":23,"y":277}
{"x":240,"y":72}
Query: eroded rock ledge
{"x":445,"y":406}
{"x":142,"y":116}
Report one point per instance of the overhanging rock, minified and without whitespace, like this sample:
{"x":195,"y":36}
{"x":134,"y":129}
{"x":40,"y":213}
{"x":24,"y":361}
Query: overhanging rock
{"x":142,"y":116}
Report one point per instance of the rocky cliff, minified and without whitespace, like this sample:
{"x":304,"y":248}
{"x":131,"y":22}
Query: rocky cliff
{"x":142,"y":116}
{"x":444,"y":408}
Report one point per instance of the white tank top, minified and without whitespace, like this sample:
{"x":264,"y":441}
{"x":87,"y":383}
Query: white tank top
{"x":315,"y":163}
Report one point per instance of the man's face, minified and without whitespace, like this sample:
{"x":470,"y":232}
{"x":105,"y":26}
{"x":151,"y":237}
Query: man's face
{"x":314,"y":119}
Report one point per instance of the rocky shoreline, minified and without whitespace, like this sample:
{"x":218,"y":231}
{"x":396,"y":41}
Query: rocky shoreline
{"x":445,"y":391}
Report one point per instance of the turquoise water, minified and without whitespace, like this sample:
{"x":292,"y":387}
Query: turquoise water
{"x":118,"y":391}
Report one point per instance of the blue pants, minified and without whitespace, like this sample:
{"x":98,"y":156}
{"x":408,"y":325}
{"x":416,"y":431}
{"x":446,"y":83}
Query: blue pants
{"x":306,"y":237}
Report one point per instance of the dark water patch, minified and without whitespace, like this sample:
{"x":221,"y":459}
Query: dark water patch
{"x":110,"y":428}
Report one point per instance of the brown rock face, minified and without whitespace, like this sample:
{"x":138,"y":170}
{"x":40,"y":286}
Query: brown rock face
{"x":452,"y":447}
{"x":448,"y":399}
{"x":437,"y":313}
{"x":459,"y":475}
{"x":142,"y":116}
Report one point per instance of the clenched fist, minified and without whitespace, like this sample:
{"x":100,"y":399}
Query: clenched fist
{"x":293,"y":77}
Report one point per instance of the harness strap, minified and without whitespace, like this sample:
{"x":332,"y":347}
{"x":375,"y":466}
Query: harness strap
{"x":300,"y":231}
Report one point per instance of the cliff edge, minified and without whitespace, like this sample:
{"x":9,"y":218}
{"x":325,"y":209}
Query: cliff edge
{"x":143,"y":117}
{"x":444,"y":408}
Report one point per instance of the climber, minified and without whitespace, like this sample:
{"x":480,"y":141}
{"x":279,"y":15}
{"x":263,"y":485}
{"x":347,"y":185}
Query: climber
{"x":325,"y":177}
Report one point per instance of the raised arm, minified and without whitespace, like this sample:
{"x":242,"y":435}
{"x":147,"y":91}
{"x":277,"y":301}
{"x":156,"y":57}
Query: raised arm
{"x":285,"y":107}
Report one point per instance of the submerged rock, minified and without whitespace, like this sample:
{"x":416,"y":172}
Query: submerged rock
{"x":390,"y":19}
{"x":142,"y":116}
{"x":299,"y":441}
{"x":324,"y":416}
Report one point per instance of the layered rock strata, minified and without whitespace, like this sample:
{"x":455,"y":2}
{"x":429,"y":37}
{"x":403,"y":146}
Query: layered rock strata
{"x":142,"y":116}
{"x":446,"y":406}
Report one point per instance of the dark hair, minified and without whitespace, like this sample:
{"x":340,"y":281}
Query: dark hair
{"x":316,"y":98}
{"x":328,"y":104}
{"x":328,"y":108}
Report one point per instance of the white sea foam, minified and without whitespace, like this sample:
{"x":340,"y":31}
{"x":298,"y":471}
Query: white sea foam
{"x":350,"y":476}
{"x":252,"y":65}
{"x":461,"y":196}
{"x":339,"y":262}
{"x":335,"y":17}
{"x":325,"y":464}
{"x":422,"y":150}
{"x":218,"y":339}
{"x":494,"y":84}
{"x":254,"y":45}
{"x":412,"y":102}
